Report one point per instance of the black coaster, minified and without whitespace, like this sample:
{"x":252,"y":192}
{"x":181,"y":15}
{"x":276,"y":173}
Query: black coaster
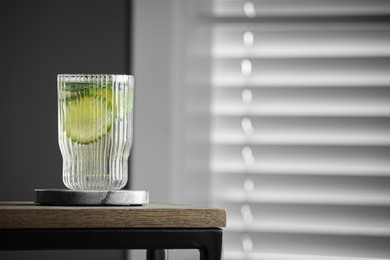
{"x":64,"y":197}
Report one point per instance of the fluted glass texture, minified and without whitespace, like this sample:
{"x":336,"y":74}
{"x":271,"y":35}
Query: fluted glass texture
{"x":95,"y":126}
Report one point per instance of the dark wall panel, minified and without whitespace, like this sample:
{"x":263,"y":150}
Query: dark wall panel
{"x":38,"y":40}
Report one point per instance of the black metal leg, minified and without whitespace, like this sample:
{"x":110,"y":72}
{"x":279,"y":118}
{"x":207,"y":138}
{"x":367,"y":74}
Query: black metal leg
{"x":157,"y":254}
{"x":212,"y":249}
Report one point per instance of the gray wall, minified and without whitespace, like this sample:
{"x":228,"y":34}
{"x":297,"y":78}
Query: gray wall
{"x":40,"y":39}
{"x":153,"y":92}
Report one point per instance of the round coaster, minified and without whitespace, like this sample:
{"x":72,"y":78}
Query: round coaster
{"x":64,"y":197}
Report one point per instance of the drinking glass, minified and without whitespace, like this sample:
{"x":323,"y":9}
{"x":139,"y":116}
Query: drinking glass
{"x":95,"y":127}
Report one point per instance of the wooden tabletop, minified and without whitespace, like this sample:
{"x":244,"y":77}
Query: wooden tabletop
{"x":20,"y":215}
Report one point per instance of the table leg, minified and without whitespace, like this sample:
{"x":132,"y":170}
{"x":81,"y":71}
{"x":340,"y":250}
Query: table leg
{"x":157,"y":254}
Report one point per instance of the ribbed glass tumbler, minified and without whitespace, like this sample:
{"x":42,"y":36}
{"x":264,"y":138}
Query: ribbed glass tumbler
{"x":95,"y":126}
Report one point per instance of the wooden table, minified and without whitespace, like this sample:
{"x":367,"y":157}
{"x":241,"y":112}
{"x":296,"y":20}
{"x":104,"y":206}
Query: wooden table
{"x":154,"y":227}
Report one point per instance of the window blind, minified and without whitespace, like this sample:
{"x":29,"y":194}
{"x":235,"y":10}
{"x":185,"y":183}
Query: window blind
{"x":300,"y":128}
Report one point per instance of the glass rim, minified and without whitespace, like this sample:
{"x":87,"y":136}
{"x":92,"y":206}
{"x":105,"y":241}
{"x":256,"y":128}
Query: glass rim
{"x":95,"y":77}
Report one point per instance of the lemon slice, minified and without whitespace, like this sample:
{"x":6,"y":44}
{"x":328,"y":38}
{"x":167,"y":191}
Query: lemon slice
{"x":87,"y":118}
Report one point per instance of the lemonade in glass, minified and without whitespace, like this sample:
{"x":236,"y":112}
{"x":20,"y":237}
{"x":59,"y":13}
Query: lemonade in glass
{"x":95,"y":126}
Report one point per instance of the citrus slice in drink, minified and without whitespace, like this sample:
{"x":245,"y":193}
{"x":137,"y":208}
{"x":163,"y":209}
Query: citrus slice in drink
{"x":121,"y":103}
{"x":87,"y":118}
